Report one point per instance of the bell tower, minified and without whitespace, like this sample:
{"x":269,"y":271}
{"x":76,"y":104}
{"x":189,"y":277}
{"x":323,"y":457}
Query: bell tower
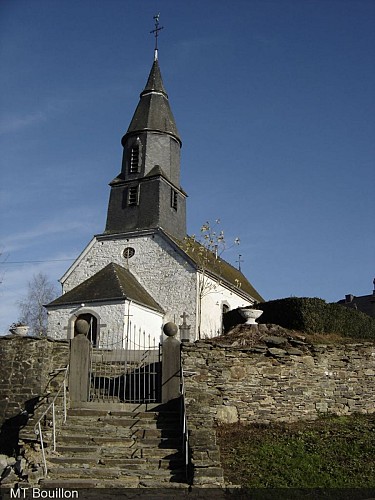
{"x":147,"y":192}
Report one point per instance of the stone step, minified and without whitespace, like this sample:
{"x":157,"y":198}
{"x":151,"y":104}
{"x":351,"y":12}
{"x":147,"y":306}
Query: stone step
{"x":157,"y":442}
{"x":97,"y":440}
{"x":68,"y":472}
{"x":129,"y":407}
{"x":77,"y":483}
{"x":111,"y":452}
{"x":152,"y":463}
{"x":158,"y":433}
{"x":125,"y":422}
{"x":160,"y":453}
{"x":119,"y":440}
{"x":74,"y":459}
{"x":100,"y":426}
{"x":122,"y":463}
{"x":136,"y":452}
{"x":115,"y":473}
{"x":67,"y":449}
{"x":152,"y":484}
{"x":104,"y":413}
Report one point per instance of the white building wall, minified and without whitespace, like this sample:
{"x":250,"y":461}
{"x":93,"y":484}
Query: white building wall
{"x":156,"y":264}
{"x":214,"y":295}
{"x":115,"y":322}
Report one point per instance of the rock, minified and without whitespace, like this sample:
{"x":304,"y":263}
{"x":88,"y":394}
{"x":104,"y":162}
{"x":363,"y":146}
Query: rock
{"x":227,"y":414}
{"x":277,"y":352}
{"x":294,"y":352}
{"x":3,"y":464}
{"x":9,"y":477}
{"x":275,"y":341}
{"x":11,"y":461}
{"x":297,"y":342}
{"x":20,"y":466}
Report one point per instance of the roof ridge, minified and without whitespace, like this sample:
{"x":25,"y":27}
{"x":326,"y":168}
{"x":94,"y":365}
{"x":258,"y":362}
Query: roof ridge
{"x":114,"y":266}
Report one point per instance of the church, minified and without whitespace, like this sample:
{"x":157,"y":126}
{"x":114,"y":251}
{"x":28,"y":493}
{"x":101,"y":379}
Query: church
{"x":140,"y":273}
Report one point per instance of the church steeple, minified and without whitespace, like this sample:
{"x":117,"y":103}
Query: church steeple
{"x":147,"y":193}
{"x":153,"y":111}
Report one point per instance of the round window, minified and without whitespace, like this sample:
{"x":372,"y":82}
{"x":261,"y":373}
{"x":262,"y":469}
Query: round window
{"x":128,"y":252}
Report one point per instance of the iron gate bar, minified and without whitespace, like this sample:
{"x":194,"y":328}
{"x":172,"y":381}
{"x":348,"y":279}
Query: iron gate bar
{"x":126,"y":368}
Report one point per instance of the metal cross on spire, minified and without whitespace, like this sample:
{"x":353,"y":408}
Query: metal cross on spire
{"x":156,"y":33}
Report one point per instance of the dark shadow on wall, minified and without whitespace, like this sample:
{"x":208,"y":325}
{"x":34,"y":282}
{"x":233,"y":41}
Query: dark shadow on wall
{"x":10,"y":430}
{"x":231,"y":319}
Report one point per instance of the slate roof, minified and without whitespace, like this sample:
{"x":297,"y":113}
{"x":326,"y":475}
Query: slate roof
{"x":113,"y":282}
{"x":153,"y":111}
{"x":220,"y":269}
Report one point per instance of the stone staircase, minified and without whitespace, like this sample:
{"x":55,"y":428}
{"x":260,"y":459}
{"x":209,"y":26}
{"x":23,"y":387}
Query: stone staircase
{"x":118,"y":446}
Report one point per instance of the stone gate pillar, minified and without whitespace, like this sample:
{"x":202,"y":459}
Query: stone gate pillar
{"x":79,"y":369}
{"x":171,"y":364}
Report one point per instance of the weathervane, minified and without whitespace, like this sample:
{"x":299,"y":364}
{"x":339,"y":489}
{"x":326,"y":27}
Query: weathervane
{"x":156,"y":33}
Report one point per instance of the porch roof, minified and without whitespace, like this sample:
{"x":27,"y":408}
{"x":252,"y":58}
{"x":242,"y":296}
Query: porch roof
{"x":113,"y":282}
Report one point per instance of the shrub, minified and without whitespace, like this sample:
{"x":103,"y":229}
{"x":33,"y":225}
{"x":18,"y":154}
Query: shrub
{"x":314,"y":315}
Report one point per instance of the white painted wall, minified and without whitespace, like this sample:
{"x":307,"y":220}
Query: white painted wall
{"x":213,"y":297}
{"x":115,"y":322}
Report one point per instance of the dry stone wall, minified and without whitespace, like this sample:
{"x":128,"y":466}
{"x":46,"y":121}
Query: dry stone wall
{"x":30,"y":368}
{"x":230,"y":384}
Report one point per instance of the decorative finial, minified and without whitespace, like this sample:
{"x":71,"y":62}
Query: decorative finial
{"x":156,"y":32}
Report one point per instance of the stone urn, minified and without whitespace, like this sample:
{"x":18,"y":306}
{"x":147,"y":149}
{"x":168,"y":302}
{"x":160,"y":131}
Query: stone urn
{"x":251,"y":315}
{"x":20,"y":330}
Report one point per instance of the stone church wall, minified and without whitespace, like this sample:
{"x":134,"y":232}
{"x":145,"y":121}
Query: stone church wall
{"x":156,"y":265}
{"x":230,"y":384}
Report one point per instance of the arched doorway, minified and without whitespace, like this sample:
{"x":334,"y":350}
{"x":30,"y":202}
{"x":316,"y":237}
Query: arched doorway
{"x":88,"y":325}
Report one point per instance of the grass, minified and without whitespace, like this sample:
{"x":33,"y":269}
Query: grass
{"x":331,"y":452}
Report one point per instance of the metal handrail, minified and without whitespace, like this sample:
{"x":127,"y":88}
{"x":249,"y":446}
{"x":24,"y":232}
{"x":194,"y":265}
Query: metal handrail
{"x":185,"y":432}
{"x":38,"y":425}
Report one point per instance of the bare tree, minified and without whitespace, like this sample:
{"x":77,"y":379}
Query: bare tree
{"x":3,"y":259}
{"x":206,"y":251}
{"x":40,"y":292}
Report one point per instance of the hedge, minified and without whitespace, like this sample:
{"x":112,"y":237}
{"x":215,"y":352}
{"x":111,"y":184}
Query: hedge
{"x":314,"y":315}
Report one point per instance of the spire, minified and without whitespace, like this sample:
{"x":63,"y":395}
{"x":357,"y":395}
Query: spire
{"x":153,"y":112}
{"x":155,"y":81}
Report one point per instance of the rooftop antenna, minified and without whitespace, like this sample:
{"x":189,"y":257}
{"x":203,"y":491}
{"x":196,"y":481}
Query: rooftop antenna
{"x":156,"y":33}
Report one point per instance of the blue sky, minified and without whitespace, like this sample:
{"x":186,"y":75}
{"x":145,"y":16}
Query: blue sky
{"x":274,"y":101}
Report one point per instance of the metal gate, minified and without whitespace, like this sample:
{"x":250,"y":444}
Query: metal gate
{"x":126,"y":368}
